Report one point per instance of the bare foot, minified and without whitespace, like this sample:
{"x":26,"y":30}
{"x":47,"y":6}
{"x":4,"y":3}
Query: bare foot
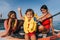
{"x":58,"y":35}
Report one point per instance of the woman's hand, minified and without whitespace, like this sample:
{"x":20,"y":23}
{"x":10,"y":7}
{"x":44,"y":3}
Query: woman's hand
{"x":15,"y":25}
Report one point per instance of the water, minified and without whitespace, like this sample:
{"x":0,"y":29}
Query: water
{"x":1,"y":26}
{"x":56,"y":25}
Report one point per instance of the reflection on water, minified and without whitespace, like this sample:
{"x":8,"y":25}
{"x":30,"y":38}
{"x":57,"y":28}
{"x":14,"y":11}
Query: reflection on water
{"x":56,"y":25}
{"x":1,"y":26}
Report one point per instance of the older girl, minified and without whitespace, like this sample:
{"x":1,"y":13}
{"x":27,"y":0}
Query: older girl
{"x":10,"y":24}
{"x":47,"y":23}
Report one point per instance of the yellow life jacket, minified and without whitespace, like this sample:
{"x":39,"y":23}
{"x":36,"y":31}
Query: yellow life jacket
{"x":31,"y":27}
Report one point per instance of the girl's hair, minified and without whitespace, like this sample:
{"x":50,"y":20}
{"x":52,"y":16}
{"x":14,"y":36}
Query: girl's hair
{"x":12,"y":12}
{"x":44,"y":7}
{"x":30,"y":10}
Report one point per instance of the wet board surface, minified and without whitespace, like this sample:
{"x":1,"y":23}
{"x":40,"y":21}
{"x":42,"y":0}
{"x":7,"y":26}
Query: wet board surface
{"x":11,"y":38}
{"x":7,"y":37}
{"x":48,"y":38}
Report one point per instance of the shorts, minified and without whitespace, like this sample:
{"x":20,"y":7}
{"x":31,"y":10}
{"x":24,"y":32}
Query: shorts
{"x":30,"y":34}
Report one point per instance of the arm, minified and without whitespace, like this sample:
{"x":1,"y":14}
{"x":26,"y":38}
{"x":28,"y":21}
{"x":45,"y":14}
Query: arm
{"x":9,"y":25}
{"x":51,"y":24}
{"x":15,"y":25}
{"x":41,"y":17}
{"x":5,"y":25}
{"x":20,"y":14}
{"x":7,"y":28}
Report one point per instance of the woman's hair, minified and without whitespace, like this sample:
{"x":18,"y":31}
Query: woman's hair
{"x":10,"y":13}
{"x":44,"y":7}
{"x":30,"y":10}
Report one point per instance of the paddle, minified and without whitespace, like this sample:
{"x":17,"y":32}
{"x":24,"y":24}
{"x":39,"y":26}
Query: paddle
{"x":52,"y":16}
{"x":39,"y":22}
{"x":49,"y":17}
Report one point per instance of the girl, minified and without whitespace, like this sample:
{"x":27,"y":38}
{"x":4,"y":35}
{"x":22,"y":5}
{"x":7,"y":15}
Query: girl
{"x":10,"y":24}
{"x":29,"y":24}
{"x":47,"y":23}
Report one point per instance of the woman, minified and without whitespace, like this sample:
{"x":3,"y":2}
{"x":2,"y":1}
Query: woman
{"x":10,"y":24}
{"x":47,"y":23}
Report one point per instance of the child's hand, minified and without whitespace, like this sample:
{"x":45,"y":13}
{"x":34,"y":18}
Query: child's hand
{"x":20,"y":14}
{"x":19,"y":9}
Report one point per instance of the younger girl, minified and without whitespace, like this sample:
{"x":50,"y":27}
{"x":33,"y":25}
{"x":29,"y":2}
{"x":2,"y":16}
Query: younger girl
{"x":29,"y":24}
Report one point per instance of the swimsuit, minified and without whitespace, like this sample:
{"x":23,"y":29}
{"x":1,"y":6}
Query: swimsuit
{"x":46,"y":24}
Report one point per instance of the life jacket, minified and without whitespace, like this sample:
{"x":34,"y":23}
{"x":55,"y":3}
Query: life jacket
{"x":29,"y":26}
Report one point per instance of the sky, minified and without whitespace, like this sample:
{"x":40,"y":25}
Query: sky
{"x":8,"y":5}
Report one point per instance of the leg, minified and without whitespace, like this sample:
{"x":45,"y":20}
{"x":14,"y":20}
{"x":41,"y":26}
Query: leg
{"x":43,"y":29}
{"x":4,"y":34}
{"x":40,"y":28}
{"x":26,"y":37}
{"x":33,"y":37}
